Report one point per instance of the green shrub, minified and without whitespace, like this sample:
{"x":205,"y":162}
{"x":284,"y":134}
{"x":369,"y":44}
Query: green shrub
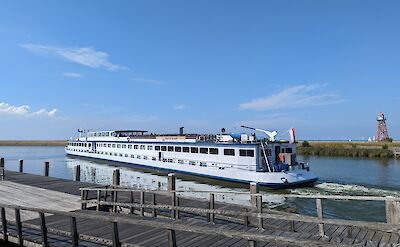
{"x":385,"y":146}
{"x":305,"y":144}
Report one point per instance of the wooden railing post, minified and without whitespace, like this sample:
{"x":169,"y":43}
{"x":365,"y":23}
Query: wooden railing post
{"x":116,"y":177}
{"x":78,"y":173}
{"x":171,"y":238}
{"x":392,"y":212}
{"x":74,"y":232}
{"x":260,"y":210}
{"x":46,"y":168}
{"x":252,"y":243}
{"x":320,"y":214}
{"x":211,"y":205}
{"x":43,"y":227}
{"x":154,"y":202}
{"x":142,"y":203}
{"x":83,"y":196}
{"x":18,"y":225}
{"x":253,"y":190}
{"x":98,"y":200}
{"x":115,"y":235}
{"x":246,"y":218}
{"x":172,"y":187}
{"x":178,"y":213}
{"x":2,"y":169}
{"x":116,"y":182}
{"x":4,"y":224}
{"x":132,"y":209}
{"x":21,"y":166}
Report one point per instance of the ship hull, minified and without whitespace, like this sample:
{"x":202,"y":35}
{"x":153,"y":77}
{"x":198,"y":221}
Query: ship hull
{"x":274,"y":180}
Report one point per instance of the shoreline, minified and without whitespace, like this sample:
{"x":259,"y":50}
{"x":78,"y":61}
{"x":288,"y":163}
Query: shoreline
{"x":348,"y":149}
{"x":32,"y":143}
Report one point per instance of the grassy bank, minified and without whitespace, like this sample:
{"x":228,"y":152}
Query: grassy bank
{"x":32,"y":143}
{"x":349,"y":149}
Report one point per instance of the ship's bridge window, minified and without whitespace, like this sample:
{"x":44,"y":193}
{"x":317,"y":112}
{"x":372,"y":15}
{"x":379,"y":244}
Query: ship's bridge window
{"x":213,"y":150}
{"x":194,"y":150}
{"x":163,"y":148}
{"x":230,"y":152}
{"x":186,"y":149}
{"x":246,"y":152}
{"x":268,"y":151}
{"x":142,"y":147}
{"x":170,"y":148}
{"x":178,"y":149}
{"x":288,"y":150}
{"x":157,"y":148}
{"x":149,"y":147}
{"x":136,"y":147}
{"x":204,"y":150}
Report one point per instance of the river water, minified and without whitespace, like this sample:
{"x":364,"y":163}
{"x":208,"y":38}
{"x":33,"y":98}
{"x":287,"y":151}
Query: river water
{"x":338,"y":176}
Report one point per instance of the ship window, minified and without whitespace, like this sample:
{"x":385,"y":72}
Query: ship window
{"x":163,"y":148}
{"x":149,"y":147}
{"x":268,"y":152}
{"x":113,"y":145}
{"x":118,"y":145}
{"x":289,"y":150}
{"x":194,"y":150}
{"x":129,"y":146}
{"x":145,"y":157}
{"x":178,"y":149}
{"x":136,"y":147}
{"x":123,"y":146}
{"x":204,"y":150}
{"x":186,"y":149}
{"x":153,"y":158}
{"x":213,"y":150}
{"x":157,"y":148}
{"x":170,"y":148}
{"x":109,"y":145}
{"x":246,"y":152}
{"x":230,"y":152}
{"x":142,"y":147}
{"x":126,"y":155}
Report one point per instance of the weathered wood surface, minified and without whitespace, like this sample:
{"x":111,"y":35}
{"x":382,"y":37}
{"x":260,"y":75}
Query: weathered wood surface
{"x":24,"y":195}
{"x":335,"y":233}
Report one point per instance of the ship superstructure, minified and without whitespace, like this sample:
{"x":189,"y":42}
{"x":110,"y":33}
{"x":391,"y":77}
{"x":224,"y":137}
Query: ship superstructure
{"x":232,"y":157}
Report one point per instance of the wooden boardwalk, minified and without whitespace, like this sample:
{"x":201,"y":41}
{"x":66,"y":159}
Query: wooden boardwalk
{"x":146,"y":235}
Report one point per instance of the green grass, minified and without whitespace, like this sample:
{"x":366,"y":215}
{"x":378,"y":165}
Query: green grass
{"x":349,"y":149}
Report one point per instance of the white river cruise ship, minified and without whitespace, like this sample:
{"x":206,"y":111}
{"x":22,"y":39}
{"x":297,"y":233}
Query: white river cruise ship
{"x":234,"y":157}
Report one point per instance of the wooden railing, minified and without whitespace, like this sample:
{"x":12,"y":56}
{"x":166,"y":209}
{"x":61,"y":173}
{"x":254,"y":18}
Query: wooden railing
{"x":170,"y":227}
{"x":392,"y":206}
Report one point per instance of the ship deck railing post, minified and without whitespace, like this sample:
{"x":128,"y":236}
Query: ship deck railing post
{"x":172,"y":187}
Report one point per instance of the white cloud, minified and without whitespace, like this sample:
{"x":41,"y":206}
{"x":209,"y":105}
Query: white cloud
{"x":16,"y":110}
{"x":44,"y":112}
{"x":86,"y":56}
{"x":148,"y":81}
{"x":294,"y":97}
{"x":24,"y":110}
{"x":179,"y":107}
{"x":72,"y":74}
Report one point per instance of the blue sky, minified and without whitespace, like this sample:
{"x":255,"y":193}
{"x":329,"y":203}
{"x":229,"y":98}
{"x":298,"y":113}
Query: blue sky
{"x":326,"y":68}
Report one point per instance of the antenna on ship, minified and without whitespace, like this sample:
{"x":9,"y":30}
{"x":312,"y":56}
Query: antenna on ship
{"x":270,"y":134}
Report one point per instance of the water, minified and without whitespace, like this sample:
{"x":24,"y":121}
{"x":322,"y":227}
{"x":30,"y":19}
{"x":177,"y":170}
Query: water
{"x":338,"y":176}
